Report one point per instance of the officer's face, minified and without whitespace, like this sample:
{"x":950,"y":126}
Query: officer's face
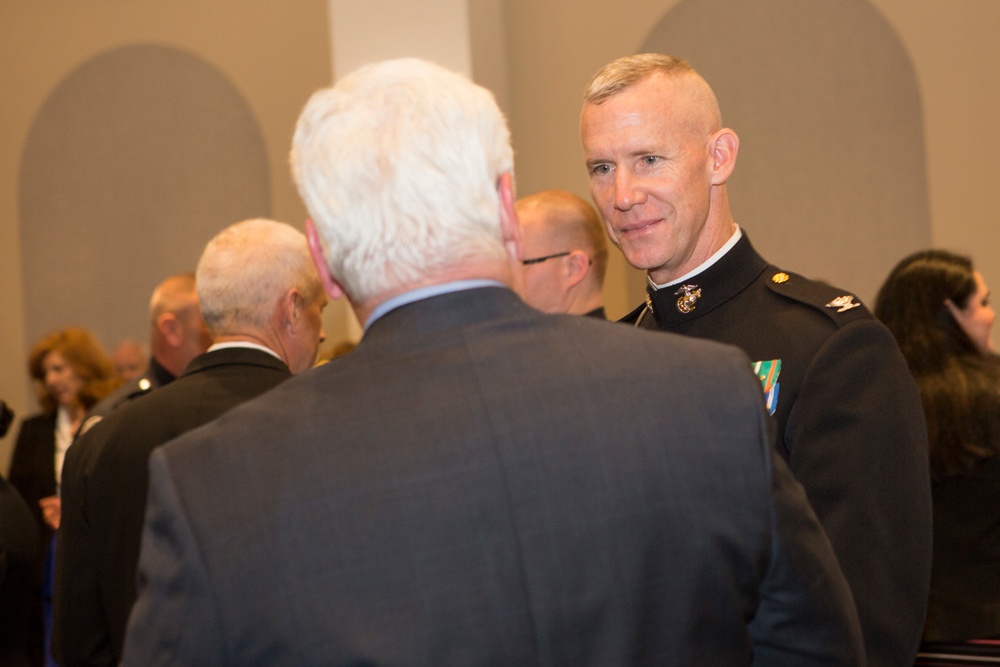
{"x":649,"y":163}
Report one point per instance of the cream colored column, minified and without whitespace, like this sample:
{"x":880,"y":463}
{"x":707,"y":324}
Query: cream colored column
{"x":365,"y":32}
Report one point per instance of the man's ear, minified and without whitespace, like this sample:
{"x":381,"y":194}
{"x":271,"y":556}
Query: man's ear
{"x":510,"y":228}
{"x":332,"y":287}
{"x":291,"y":309}
{"x":724,"y":145}
{"x":577,"y":265}
{"x":170,"y":327}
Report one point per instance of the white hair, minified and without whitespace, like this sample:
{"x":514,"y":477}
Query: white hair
{"x":247,"y":268}
{"x":398,"y":165}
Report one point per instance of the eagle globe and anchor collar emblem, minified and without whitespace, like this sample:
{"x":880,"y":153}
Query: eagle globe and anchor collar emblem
{"x":689,"y":295}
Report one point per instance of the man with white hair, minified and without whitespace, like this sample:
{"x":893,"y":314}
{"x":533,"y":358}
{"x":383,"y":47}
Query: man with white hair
{"x":471,"y":485}
{"x":262,"y":302}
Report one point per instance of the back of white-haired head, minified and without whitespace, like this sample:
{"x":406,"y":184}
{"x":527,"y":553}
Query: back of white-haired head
{"x":246,"y":269}
{"x":398,"y":165}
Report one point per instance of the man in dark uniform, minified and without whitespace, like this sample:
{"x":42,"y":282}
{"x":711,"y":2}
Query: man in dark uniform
{"x":177,"y":334}
{"x":848,"y":414}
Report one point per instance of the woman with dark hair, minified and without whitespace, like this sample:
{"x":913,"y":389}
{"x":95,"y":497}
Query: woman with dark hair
{"x":937,"y":306}
{"x":73,"y":372}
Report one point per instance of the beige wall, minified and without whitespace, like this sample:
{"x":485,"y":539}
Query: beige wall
{"x":274,"y":58}
{"x":958,"y":70}
{"x":536,"y":54}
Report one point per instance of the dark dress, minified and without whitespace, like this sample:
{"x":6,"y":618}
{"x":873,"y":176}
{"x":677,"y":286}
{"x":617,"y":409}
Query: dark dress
{"x":965,"y":575}
{"x":18,"y":553}
{"x":33,"y":474}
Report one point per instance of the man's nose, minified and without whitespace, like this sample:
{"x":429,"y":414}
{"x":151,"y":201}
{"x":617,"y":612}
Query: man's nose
{"x":627,"y":192}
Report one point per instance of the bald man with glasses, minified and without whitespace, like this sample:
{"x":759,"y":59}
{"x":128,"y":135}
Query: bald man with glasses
{"x":566,"y":254}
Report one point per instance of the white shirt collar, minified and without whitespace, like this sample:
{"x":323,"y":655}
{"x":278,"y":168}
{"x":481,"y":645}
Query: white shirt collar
{"x":737,"y":235}
{"x":246,"y":344}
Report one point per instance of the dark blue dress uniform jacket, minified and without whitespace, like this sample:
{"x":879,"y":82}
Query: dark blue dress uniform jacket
{"x":849,"y":423}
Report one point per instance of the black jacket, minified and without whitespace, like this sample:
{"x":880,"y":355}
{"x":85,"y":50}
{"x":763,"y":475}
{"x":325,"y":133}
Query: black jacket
{"x":104,"y":483}
{"x":849,"y":423}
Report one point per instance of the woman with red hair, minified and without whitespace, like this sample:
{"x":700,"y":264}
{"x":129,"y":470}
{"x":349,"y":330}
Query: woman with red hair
{"x":73,"y":372}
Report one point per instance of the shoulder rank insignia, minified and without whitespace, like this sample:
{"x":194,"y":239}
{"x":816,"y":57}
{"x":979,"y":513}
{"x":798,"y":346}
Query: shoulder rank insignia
{"x":91,"y":421}
{"x":689,"y":294}
{"x":843,"y":303}
{"x":768,"y":372}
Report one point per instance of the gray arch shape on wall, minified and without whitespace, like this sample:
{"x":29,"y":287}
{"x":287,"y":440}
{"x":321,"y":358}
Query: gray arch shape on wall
{"x":831,"y":178}
{"x":134,"y":161}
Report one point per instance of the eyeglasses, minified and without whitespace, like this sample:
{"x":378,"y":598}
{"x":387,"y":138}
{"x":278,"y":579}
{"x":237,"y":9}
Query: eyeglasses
{"x":539,"y":260}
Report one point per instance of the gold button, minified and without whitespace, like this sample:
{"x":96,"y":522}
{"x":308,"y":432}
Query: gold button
{"x":779,"y":278}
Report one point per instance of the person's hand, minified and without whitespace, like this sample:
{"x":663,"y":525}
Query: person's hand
{"x":51,"y":510}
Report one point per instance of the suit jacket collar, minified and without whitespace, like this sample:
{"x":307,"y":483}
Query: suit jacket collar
{"x":233,"y":355}
{"x":447,"y":311}
{"x":718,"y":284}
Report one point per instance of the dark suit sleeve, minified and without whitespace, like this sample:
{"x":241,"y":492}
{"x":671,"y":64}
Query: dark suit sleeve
{"x":806,"y":615}
{"x":174,"y":620}
{"x":857,"y":432}
{"x":32,"y":468}
{"x":80,"y":632}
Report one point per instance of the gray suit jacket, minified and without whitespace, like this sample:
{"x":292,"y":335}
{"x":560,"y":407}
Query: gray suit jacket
{"x":104,"y":484}
{"x":481,"y":484}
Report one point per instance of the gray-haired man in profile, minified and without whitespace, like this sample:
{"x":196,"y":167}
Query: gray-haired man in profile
{"x":262,"y":302}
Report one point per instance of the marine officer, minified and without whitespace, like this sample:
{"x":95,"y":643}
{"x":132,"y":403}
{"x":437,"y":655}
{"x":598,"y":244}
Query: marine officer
{"x":848,"y":413}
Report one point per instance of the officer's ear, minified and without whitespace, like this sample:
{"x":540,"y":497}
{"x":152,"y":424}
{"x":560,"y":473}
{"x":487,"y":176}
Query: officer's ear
{"x":723,"y":147}
{"x":170,"y":328}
